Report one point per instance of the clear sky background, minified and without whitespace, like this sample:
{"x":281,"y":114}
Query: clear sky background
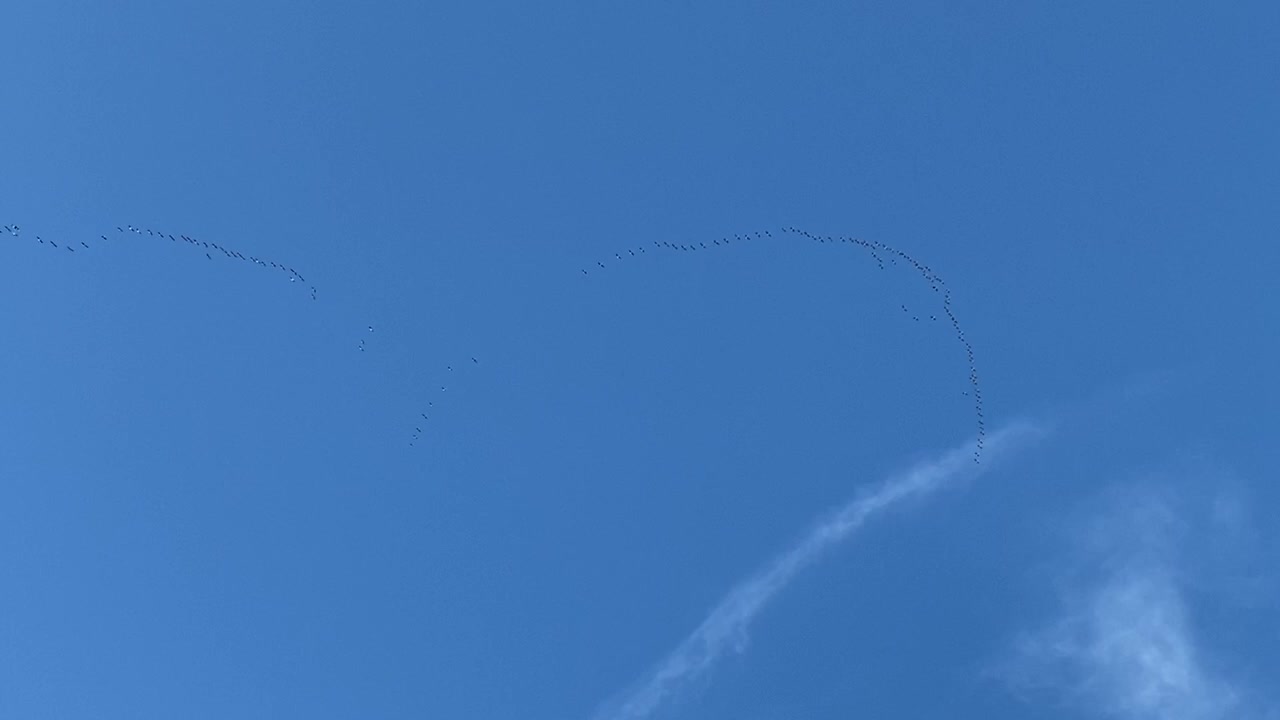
{"x":209,"y":502}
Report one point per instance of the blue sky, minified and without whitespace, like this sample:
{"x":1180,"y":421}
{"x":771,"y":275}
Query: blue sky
{"x":722,"y":483}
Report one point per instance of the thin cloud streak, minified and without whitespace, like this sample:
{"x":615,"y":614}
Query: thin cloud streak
{"x":726,"y":627}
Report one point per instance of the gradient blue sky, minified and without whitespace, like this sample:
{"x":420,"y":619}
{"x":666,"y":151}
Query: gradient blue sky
{"x":209,"y":506}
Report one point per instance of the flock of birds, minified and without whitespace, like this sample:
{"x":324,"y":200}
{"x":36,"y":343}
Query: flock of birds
{"x":425,"y":412}
{"x":208,"y":248}
{"x":878,"y":251}
{"x":439,"y":387}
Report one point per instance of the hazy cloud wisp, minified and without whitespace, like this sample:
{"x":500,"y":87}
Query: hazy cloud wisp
{"x":1124,"y":644}
{"x":725,"y":627}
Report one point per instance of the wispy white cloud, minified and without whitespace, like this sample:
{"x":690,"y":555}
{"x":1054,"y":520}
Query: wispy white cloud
{"x":725,"y":629}
{"x":1128,"y":650}
{"x":1125,"y":644}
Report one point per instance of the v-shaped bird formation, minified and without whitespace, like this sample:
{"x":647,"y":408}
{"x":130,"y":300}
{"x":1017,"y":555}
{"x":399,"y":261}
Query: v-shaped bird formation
{"x":878,"y":252}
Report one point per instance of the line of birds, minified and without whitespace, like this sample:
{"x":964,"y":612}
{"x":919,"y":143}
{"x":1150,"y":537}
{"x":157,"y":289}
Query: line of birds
{"x":424,"y":414}
{"x":211,"y":247}
{"x":418,"y":432}
{"x":690,"y":247}
{"x":879,"y":252}
{"x":16,"y":231}
{"x":938,"y":285}
{"x":201,"y":245}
